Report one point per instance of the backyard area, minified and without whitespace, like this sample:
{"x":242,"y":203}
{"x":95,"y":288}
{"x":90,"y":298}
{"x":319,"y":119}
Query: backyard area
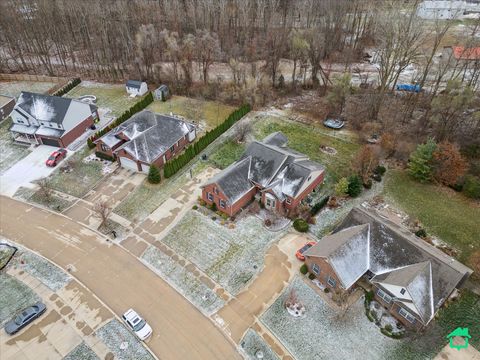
{"x":14,"y":88}
{"x":231,"y":257}
{"x":110,"y":97}
{"x":443,"y":212}
{"x":10,"y":152}
{"x":206,"y":114}
{"x":323,"y":333}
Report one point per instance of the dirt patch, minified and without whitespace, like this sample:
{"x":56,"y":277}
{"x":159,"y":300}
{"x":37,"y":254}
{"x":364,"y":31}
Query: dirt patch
{"x":66,"y":310}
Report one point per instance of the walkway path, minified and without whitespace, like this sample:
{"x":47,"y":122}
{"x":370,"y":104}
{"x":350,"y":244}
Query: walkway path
{"x":118,"y":279}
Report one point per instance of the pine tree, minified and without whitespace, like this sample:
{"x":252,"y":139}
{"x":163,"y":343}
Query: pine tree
{"x":420,"y":165}
{"x":153,"y":175}
{"x":90,"y":143}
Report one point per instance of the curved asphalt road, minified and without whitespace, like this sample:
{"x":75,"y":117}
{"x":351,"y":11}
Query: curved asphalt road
{"x":119,"y":280}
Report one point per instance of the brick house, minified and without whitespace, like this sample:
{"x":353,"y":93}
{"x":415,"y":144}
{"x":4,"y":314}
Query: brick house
{"x":409,"y":277}
{"x":280,"y":177}
{"x":50,"y":120}
{"x":146,"y":138}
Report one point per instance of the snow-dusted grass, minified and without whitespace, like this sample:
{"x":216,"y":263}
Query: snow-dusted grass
{"x":81,"y":352}
{"x":184,"y":281}
{"x":83,"y":177}
{"x":50,"y":275}
{"x":113,"y":334}
{"x":10,"y":152}
{"x":14,"y":296}
{"x":252,"y":343}
{"x":6,"y":253}
{"x":322,"y":333}
{"x":112,"y":97}
{"x":56,"y":203}
{"x":14,"y":88}
{"x":229,"y":256}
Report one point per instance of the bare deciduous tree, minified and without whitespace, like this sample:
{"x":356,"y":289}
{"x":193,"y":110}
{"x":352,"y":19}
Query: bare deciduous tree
{"x":45,"y":189}
{"x":102,"y":211}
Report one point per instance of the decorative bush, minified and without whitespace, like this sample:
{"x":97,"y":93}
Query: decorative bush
{"x":174,"y":165}
{"x":341,"y":187}
{"x":380,"y":170}
{"x":104,"y":156}
{"x":311,"y":276}
{"x":388,"y":327}
{"x":300,"y":225}
{"x":194,"y":207}
{"x":354,"y":186}
{"x":268,"y":222}
{"x":202,"y":202}
{"x":90,"y":143}
{"x":367,"y":184}
{"x":69,"y":86}
{"x":154,"y":175}
{"x":369,"y":296}
{"x":214,"y":218}
{"x":326,"y":290}
{"x":421,"y":233}
{"x":213,"y":207}
{"x":471,"y":187}
{"x":319,"y":205}
{"x":303,"y":269}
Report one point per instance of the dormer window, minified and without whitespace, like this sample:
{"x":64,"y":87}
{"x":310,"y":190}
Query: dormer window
{"x":402,"y":291}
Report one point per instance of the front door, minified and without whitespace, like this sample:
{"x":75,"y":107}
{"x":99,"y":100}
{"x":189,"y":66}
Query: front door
{"x":270,"y":201}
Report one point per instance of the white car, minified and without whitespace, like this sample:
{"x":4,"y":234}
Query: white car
{"x":138,"y":325}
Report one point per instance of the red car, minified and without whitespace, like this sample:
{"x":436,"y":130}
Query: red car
{"x":56,"y":157}
{"x":299,"y":253}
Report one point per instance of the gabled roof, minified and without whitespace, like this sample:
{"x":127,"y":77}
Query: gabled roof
{"x":134,"y":84}
{"x":44,"y":107}
{"x":347,"y":252}
{"x":277,"y":139}
{"x":149,"y":134}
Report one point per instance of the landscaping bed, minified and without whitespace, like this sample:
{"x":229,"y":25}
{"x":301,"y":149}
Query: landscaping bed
{"x":252,"y":344}
{"x":183,"y":281}
{"x":81,"y":352}
{"x":232,"y":257}
{"x":443,"y":212}
{"x":82,"y":177}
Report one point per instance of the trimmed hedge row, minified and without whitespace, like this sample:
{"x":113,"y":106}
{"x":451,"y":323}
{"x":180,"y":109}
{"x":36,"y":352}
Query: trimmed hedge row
{"x":142,"y":104}
{"x":319,"y":206}
{"x":104,"y":156}
{"x":68,"y":86}
{"x":172,"y":166}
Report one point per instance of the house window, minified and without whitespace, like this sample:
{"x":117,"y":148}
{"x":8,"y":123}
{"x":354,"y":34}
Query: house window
{"x":270,"y":203}
{"x":172,"y":149}
{"x":210,"y":196}
{"x":222,"y":204}
{"x":381,"y":294}
{"x":105,"y":147}
{"x":331,"y":282}
{"x":289,"y":201}
{"x":316,"y":269}
{"x":406,"y":315}
{"x":402,"y":291}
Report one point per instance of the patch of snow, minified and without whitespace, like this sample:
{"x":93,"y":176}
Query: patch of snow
{"x":81,"y":352}
{"x":41,"y":110}
{"x":252,"y":344}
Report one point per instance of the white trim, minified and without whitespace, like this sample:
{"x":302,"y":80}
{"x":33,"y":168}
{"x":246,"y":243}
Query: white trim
{"x":406,"y":315}
{"x":315,"y":269}
{"x":384,"y":296}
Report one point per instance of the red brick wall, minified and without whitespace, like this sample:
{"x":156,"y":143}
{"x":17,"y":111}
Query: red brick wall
{"x":231,"y":209}
{"x":296,"y":201}
{"x":123,"y":153}
{"x":77,"y":131}
{"x":98,"y":148}
{"x":326,"y":270}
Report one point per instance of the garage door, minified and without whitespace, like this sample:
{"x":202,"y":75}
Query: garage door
{"x":50,"y":142}
{"x":145,"y":168}
{"x":128,"y":164}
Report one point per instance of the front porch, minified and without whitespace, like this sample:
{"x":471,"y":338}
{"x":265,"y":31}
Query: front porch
{"x":23,"y":134}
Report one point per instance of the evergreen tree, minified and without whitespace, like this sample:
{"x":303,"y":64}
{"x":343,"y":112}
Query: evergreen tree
{"x":153,"y":175}
{"x":354,"y":185}
{"x":90,"y":143}
{"x":420,"y":165}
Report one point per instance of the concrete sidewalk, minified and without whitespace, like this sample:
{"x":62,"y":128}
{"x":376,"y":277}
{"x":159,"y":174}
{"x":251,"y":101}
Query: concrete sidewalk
{"x":118,"y":279}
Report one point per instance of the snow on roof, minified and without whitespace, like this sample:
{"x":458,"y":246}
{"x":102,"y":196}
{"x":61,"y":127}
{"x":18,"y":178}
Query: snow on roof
{"x":46,"y":131}
{"x":421,"y":291}
{"x":134,"y":84}
{"x":24,"y":129}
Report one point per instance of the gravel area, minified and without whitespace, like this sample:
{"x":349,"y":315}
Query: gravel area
{"x":229,"y":256}
{"x":14,"y":296}
{"x":323,"y":333}
{"x":81,"y":352}
{"x":121,"y":342}
{"x":183,"y":281}
{"x":252,"y":343}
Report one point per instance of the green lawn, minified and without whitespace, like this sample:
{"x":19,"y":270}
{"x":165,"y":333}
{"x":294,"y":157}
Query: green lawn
{"x":109,"y":96}
{"x":14,"y":88}
{"x":208,"y":113}
{"x":443,"y":212}
{"x":227,"y":154}
{"x":79,"y":181}
{"x":308,"y":139}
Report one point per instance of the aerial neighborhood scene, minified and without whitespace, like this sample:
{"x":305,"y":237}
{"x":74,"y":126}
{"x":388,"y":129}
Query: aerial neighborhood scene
{"x":225,"y":179}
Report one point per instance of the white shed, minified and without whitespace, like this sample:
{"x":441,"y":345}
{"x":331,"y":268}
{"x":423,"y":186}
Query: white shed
{"x":136,"y":88}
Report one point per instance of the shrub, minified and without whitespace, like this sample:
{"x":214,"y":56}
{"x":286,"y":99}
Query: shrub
{"x":457,"y":187}
{"x":194,"y":207}
{"x":268,"y":222}
{"x":213,"y":207}
{"x":367,"y":184}
{"x":103,"y":156}
{"x":376,"y":177}
{"x":369,"y":296}
{"x":369,"y":316}
{"x":319,"y":206}
{"x":262,"y":205}
{"x":224,"y":216}
{"x":388,"y":327}
{"x":304,"y":269}
{"x":471,"y":187}
{"x":300,"y":225}
{"x":90,"y":143}
{"x":202,"y":202}
{"x":153,"y":175}
{"x":326,"y":290}
{"x":420,"y":162}
{"x":311,"y":276}
{"x":232,"y":218}
{"x":421,"y":233}
{"x":354,"y":186}
{"x":341,"y":187}
{"x":214,"y":218}
{"x":69,"y":86}
{"x":380,"y":170}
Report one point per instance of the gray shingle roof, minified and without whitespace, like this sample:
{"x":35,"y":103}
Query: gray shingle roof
{"x":150,"y":134}
{"x":233,"y":181}
{"x":277,"y":139}
{"x":134,"y":84}
{"x":44,"y":107}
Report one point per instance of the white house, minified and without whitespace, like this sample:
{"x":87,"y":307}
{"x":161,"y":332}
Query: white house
{"x":136,"y":88}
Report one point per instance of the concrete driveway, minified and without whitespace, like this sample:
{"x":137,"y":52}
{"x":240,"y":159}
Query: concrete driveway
{"x":30,"y":168}
{"x":119,"y":280}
